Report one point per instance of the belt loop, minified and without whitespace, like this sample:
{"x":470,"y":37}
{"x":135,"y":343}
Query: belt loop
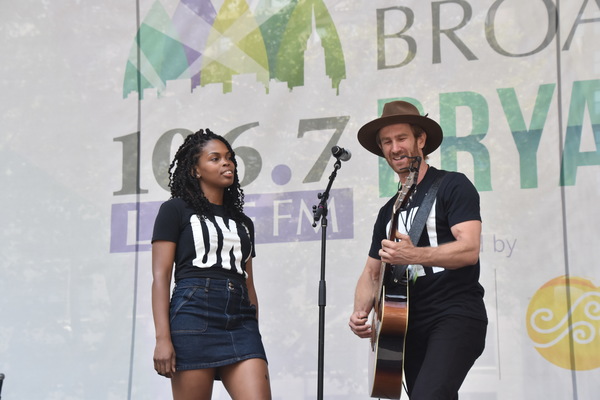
{"x":207,"y":285}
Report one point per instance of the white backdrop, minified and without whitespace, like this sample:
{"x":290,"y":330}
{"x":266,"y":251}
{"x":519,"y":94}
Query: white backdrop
{"x":88,"y":123}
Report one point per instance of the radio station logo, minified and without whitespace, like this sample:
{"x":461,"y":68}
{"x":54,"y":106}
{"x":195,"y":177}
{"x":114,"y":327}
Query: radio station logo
{"x":206,"y":46}
{"x":563,"y":321}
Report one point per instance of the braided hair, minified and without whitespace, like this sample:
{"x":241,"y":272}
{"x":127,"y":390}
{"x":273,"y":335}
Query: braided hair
{"x":185,"y":185}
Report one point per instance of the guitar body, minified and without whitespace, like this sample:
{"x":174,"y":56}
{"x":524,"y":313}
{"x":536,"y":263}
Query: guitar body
{"x":386,"y":361}
{"x":390,"y":312}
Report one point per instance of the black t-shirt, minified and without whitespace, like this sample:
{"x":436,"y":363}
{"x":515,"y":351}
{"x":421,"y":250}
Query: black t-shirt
{"x":438,"y":291}
{"x":213,"y":247}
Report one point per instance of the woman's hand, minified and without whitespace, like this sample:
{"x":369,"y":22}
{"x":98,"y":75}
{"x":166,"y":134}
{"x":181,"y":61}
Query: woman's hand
{"x":164,"y":358}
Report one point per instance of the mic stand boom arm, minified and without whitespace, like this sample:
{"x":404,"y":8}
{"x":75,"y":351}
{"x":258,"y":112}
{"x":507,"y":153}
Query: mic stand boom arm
{"x":321,"y":210}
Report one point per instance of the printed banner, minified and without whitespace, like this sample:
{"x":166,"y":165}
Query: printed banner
{"x":98,"y":97}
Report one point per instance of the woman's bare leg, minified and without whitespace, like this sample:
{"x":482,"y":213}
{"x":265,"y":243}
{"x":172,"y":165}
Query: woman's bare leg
{"x":194,"y":384}
{"x":247,"y":380}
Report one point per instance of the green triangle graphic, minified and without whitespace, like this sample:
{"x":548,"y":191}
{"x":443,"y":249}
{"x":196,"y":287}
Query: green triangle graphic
{"x":235,"y":46}
{"x":290,"y":58}
{"x":162,"y":56}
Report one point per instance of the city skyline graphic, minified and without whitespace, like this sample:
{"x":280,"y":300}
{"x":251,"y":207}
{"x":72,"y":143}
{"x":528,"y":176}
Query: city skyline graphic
{"x":206,"y":46}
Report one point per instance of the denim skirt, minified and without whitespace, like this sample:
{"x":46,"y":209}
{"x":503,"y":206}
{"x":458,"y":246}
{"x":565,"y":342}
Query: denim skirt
{"x":213,"y":324}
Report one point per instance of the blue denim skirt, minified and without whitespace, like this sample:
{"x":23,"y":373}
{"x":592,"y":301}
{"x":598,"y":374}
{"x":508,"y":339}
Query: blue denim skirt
{"x":213,"y":324}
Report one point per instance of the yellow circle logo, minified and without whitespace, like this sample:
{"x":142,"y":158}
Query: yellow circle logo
{"x":566,"y":335}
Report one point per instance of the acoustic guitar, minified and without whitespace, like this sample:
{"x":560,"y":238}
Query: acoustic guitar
{"x":390,"y":316}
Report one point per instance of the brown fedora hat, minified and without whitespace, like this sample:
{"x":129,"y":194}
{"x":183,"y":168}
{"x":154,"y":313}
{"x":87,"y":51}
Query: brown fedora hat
{"x":398,"y":112}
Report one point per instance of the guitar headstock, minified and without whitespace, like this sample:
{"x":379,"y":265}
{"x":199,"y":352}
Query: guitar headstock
{"x":406,"y":190}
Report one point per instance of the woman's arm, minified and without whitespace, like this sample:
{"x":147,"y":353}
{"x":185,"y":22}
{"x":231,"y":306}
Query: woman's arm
{"x":250,"y":285}
{"x":163,"y":257}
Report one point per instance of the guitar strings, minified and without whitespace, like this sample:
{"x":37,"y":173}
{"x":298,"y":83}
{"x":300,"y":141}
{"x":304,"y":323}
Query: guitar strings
{"x":410,"y":211}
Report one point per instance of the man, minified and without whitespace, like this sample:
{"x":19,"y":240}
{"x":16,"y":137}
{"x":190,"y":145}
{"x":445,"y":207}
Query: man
{"x":447,"y":320}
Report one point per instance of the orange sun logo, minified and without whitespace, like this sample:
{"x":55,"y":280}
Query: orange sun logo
{"x":566,"y":333}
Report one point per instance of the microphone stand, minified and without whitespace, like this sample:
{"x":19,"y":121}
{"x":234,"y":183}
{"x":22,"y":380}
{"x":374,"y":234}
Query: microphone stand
{"x":320,"y":213}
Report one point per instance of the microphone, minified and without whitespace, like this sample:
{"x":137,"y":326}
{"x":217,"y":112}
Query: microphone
{"x":340,"y":153}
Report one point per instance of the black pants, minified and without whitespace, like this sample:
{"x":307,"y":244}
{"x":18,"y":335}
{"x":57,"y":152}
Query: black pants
{"x":438,"y":356}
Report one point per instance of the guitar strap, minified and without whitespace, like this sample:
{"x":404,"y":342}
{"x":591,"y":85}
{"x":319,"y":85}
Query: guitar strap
{"x":416,"y":228}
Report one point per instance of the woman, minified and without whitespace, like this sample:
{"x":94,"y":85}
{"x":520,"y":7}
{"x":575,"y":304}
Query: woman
{"x":209,"y":328}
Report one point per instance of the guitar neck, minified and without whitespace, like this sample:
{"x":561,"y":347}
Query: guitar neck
{"x":404,"y":194}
